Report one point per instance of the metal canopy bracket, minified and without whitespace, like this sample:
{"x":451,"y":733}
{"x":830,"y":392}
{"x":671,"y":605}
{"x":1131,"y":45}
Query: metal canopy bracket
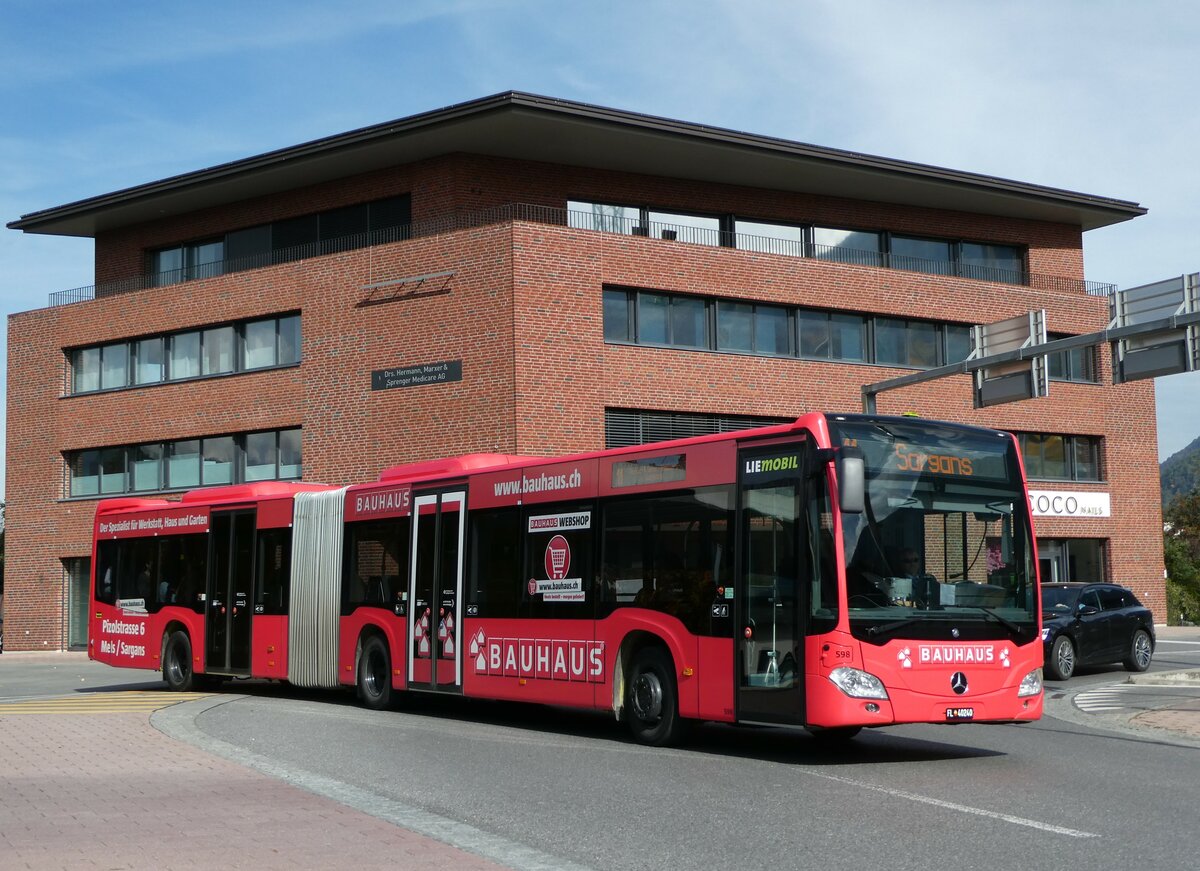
{"x":406,"y":288}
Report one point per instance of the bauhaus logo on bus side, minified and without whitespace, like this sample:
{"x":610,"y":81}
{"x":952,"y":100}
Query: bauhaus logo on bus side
{"x":538,"y":658}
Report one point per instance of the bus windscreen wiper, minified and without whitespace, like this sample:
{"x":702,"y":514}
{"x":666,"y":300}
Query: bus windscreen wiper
{"x":1003,"y":621}
{"x":891,"y":627}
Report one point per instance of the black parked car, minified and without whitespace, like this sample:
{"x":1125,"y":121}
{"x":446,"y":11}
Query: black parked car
{"x":1092,"y":624}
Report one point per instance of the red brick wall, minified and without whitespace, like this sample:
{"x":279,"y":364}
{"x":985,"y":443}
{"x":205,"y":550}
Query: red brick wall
{"x":522,"y":311}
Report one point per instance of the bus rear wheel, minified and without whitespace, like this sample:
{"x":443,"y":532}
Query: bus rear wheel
{"x":652,"y":699}
{"x":375,"y":674}
{"x":177,"y":662}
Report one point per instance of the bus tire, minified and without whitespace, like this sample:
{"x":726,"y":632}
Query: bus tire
{"x":833,"y":735}
{"x":375,"y":674}
{"x":177,"y":663}
{"x":652,"y":699}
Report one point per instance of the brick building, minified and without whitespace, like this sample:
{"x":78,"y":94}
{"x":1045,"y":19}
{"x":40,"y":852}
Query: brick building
{"x":533,"y":276}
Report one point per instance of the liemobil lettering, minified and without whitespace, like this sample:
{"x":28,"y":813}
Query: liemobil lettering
{"x":772,"y":464}
{"x":538,"y":658}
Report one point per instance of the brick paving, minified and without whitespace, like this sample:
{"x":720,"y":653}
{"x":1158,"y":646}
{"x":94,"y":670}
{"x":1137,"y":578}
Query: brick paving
{"x":111,"y":792}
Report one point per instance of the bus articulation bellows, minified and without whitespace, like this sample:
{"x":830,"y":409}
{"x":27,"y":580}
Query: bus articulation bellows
{"x":836,"y":573}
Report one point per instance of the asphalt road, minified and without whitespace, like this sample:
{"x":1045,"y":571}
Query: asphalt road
{"x":571,"y":790}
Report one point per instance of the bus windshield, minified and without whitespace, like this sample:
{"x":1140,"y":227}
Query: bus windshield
{"x":944,"y":547}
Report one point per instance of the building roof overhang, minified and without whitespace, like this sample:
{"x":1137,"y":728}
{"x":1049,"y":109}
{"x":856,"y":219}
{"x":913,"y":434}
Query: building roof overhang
{"x":529,"y":127}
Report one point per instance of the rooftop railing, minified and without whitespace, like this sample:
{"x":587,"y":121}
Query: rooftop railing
{"x":587,"y":220}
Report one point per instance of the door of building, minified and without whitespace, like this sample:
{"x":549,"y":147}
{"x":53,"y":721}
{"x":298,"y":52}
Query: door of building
{"x":230,"y":580}
{"x":435,"y":618}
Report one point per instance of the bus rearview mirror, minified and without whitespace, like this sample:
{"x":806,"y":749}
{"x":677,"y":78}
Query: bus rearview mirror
{"x":852,"y":484}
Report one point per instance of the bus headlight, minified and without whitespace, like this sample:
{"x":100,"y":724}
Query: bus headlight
{"x":1031,"y":684}
{"x":858,"y":684}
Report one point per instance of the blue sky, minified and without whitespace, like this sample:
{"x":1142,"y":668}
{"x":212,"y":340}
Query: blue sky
{"x":1096,"y":96}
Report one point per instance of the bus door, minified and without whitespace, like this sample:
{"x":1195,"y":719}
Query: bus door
{"x":230,"y":581}
{"x":435,"y":591}
{"x":769,"y":592}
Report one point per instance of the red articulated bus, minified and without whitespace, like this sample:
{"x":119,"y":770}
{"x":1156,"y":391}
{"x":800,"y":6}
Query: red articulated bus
{"x":840,"y":572}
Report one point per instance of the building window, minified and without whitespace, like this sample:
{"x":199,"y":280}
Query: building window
{"x":906,"y":343}
{"x":312,"y":235}
{"x":221,"y":350}
{"x":921,"y":255}
{"x":1054,"y":457}
{"x":769,"y":238}
{"x":753,"y":329}
{"x":184,"y":464}
{"x":1076,"y":364}
{"x":832,"y":336}
{"x":1070,"y":559}
{"x":990,"y":262}
{"x":858,"y":247}
{"x":625,"y":427}
{"x":642,"y":221}
{"x":652,"y":318}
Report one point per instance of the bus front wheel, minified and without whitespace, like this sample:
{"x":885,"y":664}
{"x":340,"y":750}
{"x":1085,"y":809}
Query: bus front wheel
{"x":177,"y":662}
{"x":652,"y":699}
{"x":375,"y":674}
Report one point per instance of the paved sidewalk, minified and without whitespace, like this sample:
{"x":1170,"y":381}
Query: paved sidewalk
{"x":110,"y":791}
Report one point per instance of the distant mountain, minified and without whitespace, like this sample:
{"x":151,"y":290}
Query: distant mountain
{"x":1180,"y":472}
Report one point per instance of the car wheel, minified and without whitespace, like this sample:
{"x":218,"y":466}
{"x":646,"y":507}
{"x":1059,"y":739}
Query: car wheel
{"x":652,"y":700}
{"x":1061,"y":663}
{"x":1141,"y":651}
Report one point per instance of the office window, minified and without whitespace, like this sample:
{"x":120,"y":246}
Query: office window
{"x":289,"y":340}
{"x":608,"y":218}
{"x":114,"y":366}
{"x":216,"y":354}
{"x":184,"y":359}
{"x":85,"y":370}
{"x":1055,"y":457}
{"x":922,"y":255}
{"x":696,"y":229}
{"x":148,"y":361}
{"x":618,"y":321}
{"x":671,"y":320}
{"x":145,"y":463}
{"x":184,"y":464}
{"x":988,"y":262}
{"x":769,"y":238}
{"x":754,"y":329}
{"x":185,"y":262}
{"x":958,"y":342}
{"x":625,"y":427}
{"x":1076,"y":364}
{"x":831,"y":336}
{"x":859,"y":247}
{"x":217,"y":458}
{"x":260,"y":339}
{"x":906,"y":343}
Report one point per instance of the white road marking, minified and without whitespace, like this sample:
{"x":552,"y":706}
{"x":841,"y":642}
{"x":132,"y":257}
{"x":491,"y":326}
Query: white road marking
{"x":961,"y":808}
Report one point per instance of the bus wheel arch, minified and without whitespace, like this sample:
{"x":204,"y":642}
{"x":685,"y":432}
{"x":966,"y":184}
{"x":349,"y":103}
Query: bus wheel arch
{"x":646,"y":690}
{"x":373,"y":669}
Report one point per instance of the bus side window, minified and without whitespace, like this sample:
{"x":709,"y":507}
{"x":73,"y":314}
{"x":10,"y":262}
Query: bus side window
{"x":106,"y":572}
{"x":494,"y":573}
{"x":273,"y":571}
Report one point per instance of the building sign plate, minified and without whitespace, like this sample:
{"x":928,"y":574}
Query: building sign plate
{"x":418,"y":375}
{"x":1062,"y":503}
